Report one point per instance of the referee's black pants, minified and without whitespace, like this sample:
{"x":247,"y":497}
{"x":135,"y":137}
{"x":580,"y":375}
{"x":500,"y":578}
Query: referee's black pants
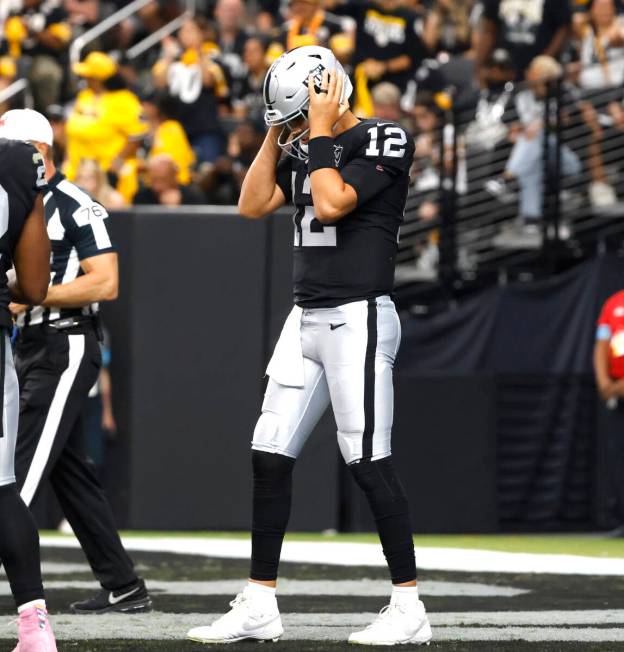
{"x":56,"y":370}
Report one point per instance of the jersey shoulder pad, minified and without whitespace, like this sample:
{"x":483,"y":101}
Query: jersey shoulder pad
{"x":386,"y":142}
{"x":22,"y":169}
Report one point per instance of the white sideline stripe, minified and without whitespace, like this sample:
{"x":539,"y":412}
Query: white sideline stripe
{"x":369,"y":554}
{"x":312,"y":627}
{"x":61,"y":568}
{"x":50,"y":427}
{"x":349,"y":588}
{"x":68,"y":568}
{"x":532,"y":634}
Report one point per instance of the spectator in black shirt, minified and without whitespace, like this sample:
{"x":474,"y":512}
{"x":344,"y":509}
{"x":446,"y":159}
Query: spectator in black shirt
{"x":40,"y":34}
{"x":197,"y":83}
{"x":163,"y":187}
{"x":526,"y":28}
{"x":447,"y":27}
{"x":247,"y":99}
{"x":388,"y":46}
{"x":230,"y":18}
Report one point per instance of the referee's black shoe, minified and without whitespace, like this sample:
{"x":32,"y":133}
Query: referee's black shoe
{"x":130,"y":599}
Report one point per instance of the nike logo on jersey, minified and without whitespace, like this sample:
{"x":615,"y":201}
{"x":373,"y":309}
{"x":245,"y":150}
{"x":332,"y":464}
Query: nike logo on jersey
{"x":114,"y":599}
{"x":335,"y":326}
{"x":384,"y":124}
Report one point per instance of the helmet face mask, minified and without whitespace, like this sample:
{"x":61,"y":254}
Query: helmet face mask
{"x":286,"y":94}
{"x":293,"y":135}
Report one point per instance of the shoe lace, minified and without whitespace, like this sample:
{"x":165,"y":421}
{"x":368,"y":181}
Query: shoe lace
{"x":238,"y":601}
{"x":386,"y":614}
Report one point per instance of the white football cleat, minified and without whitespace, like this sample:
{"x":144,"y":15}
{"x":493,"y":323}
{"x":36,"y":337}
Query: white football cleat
{"x":396,"y":624}
{"x":253,"y":615}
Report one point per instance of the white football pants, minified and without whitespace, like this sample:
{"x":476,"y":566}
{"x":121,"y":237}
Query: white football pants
{"x":348,"y":357}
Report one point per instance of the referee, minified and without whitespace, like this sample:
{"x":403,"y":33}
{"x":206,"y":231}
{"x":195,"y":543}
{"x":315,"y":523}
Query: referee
{"x":58,"y":361}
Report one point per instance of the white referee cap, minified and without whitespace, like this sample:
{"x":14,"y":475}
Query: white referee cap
{"x":26,"y":124}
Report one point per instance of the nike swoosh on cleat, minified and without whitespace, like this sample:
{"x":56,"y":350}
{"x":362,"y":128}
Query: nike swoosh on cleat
{"x":335,"y":326}
{"x":113,"y":599}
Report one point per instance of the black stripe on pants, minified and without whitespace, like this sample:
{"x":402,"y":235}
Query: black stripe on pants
{"x":56,"y":372}
{"x":369,"y":382}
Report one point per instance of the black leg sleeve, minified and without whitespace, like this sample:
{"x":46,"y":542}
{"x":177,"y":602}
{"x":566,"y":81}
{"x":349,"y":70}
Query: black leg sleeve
{"x":272,"y":491}
{"x":19,"y":547}
{"x":388,"y":502}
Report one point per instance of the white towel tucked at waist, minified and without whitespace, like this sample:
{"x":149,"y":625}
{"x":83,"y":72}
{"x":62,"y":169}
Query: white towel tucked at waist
{"x":286,"y":364}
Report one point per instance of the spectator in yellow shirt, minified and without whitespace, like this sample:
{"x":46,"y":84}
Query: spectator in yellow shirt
{"x":105,"y":123}
{"x":167,"y":136}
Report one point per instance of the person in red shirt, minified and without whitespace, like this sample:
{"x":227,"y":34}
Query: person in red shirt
{"x":609,"y":371}
{"x":609,"y":349}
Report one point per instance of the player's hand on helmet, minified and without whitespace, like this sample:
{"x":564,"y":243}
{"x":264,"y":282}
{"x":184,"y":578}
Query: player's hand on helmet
{"x":325,"y":107}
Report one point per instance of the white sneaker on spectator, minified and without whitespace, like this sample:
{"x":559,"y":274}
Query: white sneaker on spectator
{"x":396,"y":624}
{"x":254,"y":615}
{"x":601,"y":194}
{"x":499,"y":187}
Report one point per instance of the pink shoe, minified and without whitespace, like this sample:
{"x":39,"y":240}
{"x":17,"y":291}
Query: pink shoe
{"x":35,"y":633}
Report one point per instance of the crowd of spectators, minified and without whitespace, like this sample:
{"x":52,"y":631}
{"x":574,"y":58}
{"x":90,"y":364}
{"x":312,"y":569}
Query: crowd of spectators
{"x":181,"y":122}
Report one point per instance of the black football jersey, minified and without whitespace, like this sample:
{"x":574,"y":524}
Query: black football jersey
{"x":22,"y":174}
{"x":354,"y":258}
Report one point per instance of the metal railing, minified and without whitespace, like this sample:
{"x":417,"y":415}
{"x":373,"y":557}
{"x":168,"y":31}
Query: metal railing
{"x":17,"y":87}
{"x":470,"y":236}
{"x":90,"y":35}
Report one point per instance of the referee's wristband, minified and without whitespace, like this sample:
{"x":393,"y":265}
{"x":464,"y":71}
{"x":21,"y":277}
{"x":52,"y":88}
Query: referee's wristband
{"x":321,"y":153}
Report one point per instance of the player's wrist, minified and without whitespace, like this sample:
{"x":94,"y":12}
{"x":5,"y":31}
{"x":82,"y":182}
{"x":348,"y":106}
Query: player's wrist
{"x":320,"y":127}
{"x":321,"y":153}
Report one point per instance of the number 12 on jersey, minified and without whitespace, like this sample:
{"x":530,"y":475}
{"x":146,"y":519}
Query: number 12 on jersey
{"x":394,"y":141}
{"x":309,"y":232}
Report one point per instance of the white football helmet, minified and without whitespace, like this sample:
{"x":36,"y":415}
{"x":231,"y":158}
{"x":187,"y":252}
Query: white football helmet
{"x":286,"y":93}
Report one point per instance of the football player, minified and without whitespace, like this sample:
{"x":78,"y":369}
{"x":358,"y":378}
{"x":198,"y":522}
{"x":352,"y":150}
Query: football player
{"x":348,"y":181}
{"x":24,"y":241}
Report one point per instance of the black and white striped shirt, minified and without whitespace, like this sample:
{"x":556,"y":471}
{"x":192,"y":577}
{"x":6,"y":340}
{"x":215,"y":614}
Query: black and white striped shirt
{"x":77,"y":230}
